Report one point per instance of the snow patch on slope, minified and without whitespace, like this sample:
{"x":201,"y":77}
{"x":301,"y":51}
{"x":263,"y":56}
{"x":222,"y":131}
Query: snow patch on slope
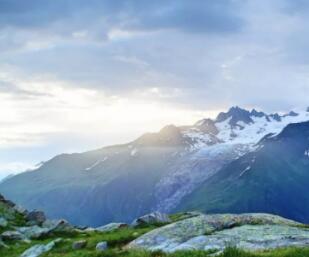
{"x":96,"y":164}
{"x":208,"y":153}
{"x":134,"y":152}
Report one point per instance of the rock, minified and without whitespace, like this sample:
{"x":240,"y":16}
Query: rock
{"x":39,"y":249}
{"x":111,"y":227}
{"x":102,"y":246}
{"x":152,"y":218}
{"x":20,"y":209}
{"x":49,"y":226}
{"x":79,"y":244}
{"x":11,"y":235}
{"x":3,"y":222}
{"x":36,"y":217}
{"x":89,"y":229}
{"x":213,"y":231}
{"x":33,"y":232}
{"x":7,"y":202}
{"x":58,"y":225}
{"x":249,"y":237}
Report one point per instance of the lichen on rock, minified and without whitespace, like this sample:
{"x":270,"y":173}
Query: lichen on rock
{"x":218,"y":231}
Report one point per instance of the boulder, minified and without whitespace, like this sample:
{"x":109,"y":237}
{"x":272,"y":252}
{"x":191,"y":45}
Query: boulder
{"x":6,"y":202}
{"x":49,"y":226}
{"x":217,"y":231}
{"x":111,"y":227}
{"x":79,"y":244}
{"x":151,"y":218}
{"x":102,"y":246}
{"x":39,"y":249}
{"x":20,"y":209}
{"x":250,"y":238}
{"x":12,"y":235}
{"x":36,"y":217}
{"x":58,"y":225}
{"x":33,"y":232}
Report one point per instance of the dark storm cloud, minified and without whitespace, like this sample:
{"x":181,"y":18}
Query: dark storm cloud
{"x":190,"y":16}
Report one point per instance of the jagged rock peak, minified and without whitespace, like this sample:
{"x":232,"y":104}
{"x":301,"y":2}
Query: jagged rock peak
{"x":290,"y":114}
{"x":235,"y":114}
{"x":256,"y":113}
{"x":275,"y":116}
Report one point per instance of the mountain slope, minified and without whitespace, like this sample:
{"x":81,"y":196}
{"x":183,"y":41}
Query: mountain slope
{"x":96,"y":187}
{"x":154,"y":172}
{"x":274,"y":178}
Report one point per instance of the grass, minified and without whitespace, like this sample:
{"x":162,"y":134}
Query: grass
{"x":118,"y":239}
{"x":287,"y":252}
{"x":229,"y":252}
{"x":181,"y":216}
{"x":14,"y":218}
{"x":306,"y":226}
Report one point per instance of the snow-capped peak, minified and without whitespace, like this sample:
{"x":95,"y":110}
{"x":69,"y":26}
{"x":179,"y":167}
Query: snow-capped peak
{"x":239,"y":126}
{"x":235,"y":114}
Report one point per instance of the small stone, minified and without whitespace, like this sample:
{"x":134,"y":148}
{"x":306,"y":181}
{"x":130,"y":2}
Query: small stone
{"x":111,"y":227}
{"x":102,"y":246}
{"x":151,"y":218}
{"x":79,"y":244}
{"x":11,"y":235}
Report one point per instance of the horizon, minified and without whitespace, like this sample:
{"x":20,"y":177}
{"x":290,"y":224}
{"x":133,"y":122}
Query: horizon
{"x":77,"y":76}
{"x":20,"y":168}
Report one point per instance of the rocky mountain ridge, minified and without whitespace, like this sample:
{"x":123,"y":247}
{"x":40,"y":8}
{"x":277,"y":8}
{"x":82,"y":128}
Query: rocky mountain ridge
{"x":273,"y":178}
{"x":153,"y":173}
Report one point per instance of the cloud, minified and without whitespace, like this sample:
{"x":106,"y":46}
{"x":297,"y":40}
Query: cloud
{"x":40,"y":110}
{"x":294,"y":7}
{"x":68,"y":66}
{"x":198,"y":16}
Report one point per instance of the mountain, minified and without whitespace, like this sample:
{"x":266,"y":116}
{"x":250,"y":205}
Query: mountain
{"x":273,"y":178}
{"x":154,"y":172}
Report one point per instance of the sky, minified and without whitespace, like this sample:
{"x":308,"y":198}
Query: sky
{"x":76,"y":75}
